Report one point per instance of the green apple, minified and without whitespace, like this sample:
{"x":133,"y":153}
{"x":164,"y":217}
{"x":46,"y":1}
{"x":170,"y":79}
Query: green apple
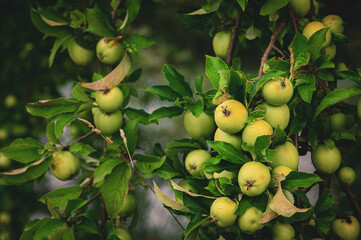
{"x":285,"y":155}
{"x":283,"y":231}
{"x":279,"y":171}
{"x":109,"y":52}
{"x":248,"y":222}
{"x":338,"y":121}
{"x":109,"y":100}
{"x":277,"y":116}
{"x":5,"y":162}
{"x":128,"y":207}
{"x":10,"y":101}
{"x":197,"y":127}
{"x":330,"y":50}
{"x":253,"y":178}
{"x":359,"y":108}
{"x":194,"y":161}
{"x":254,"y":130}
{"x":346,"y":175}
{"x":123,"y":234}
{"x":300,"y":8}
{"x":221,"y":42}
{"x":346,"y":229}
{"x":65,"y":165}
{"x":5,"y":219}
{"x":334,"y":22}
{"x":230,"y":116}
{"x":315,"y":26}
{"x":59,"y":233}
{"x":80,"y":55}
{"x":278,"y":91}
{"x":108,"y":123}
{"x":233,"y":139}
{"x":225,"y":173}
{"x":185,"y":185}
{"x":4,"y":133}
{"x":223,"y":211}
{"x":325,"y":159}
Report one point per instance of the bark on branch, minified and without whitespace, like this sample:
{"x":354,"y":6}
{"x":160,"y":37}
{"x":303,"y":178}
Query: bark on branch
{"x":233,"y":40}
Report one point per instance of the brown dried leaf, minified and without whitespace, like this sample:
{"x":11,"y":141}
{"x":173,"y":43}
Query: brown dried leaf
{"x":177,"y":187}
{"x":51,"y":22}
{"x":167,"y":201}
{"x":224,"y":97}
{"x":22,"y":170}
{"x":269,"y":214}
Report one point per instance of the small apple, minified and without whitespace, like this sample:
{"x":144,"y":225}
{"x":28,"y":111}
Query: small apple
{"x":334,"y":22}
{"x":347,"y":229}
{"x":283,"y":231}
{"x":184,"y":184}
{"x":128,"y":207}
{"x":109,"y":100}
{"x":80,"y":55}
{"x":108,"y":123}
{"x":300,"y":8}
{"x":325,"y":159}
{"x":197,"y":127}
{"x":223,"y":211}
{"x":315,"y":26}
{"x":346,"y":175}
{"x":225,"y":173}
{"x":277,"y":116}
{"x":10,"y":101}
{"x":123,"y":234}
{"x":330,"y":50}
{"x":5,"y":219}
{"x":253,"y":178}
{"x":5,"y":162}
{"x":338,"y":121}
{"x":278,"y":171}
{"x":285,"y":155}
{"x":359,"y":108}
{"x":233,"y":139}
{"x":278,"y":91}
{"x":65,"y":165}
{"x":194,"y":161}
{"x":248,"y":222}
{"x":254,"y":130}
{"x":230,"y":116}
{"x":221,"y":43}
{"x":109,"y":52}
{"x":59,"y":233}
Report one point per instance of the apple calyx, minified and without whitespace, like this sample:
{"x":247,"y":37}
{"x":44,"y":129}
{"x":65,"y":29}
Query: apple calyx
{"x":250,"y":183}
{"x":226,"y":112}
{"x":106,"y":91}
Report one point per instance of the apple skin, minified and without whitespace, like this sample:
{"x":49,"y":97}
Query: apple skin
{"x":283,"y":231}
{"x":285,"y":155}
{"x":315,"y":26}
{"x":248,"y":222}
{"x":108,"y":123}
{"x":254,"y":130}
{"x":58,"y":234}
{"x":65,"y":165}
{"x":110,"y":52}
{"x":325,"y":159}
{"x":338,"y":121}
{"x":221,"y":43}
{"x":109,"y":100}
{"x":346,"y":175}
{"x":334,"y":22}
{"x":123,"y":234}
{"x":277,"y":116}
{"x":347,"y":229}
{"x":184,"y":184}
{"x":359,"y":108}
{"x":253,"y":178}
{"x":194,"y":160}
{"x":230,"y":116}
{"x":128,"y":207}
{"x":10,"y":101}
{"x":278,"y":171}
{"x":300,"y":8}
{"x":80,"y":55}
{"x":197,"y":127}
{"x":278,"y":91}
{"x":235,"y":140}
{"x":223,"y":211}
{"x":330,"y":50}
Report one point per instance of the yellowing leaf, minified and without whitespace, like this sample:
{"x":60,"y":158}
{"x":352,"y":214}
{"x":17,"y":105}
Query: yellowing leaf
{"x":22,"y":170}
{"x":269,"y":214}
{"x":51,"y":22}
{"x":198,"y":12}
{"x":177,"y":187}
{"x":167,"y":201}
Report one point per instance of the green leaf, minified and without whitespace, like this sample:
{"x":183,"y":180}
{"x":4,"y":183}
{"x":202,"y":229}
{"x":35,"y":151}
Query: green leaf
{"x":131,"y":134}
{"x":58,"y":32}
{"x":323,"y":62}
{"x":61,"y":121}
{"x":133,"y":7}
{"x":81,"y":149}
{"x":346,"y":135}
{"x":51,"y":108}
{"x":198,"y":82}
{"x":115,"y":188}
{"x":229,"y":152}
{"x":48,"y":228}
{"x":335,"y":97}
{"x":147,"y":163}
{"x":167,"y":172}
{"x":242,"y":4}
{"x":315,"y":42}
{"x":60,"y":197}
{"x":57,"y":44}
{"x":138,"y":115}
{"x":298,"y":48}
{"x":300,"y":179}
{"x":164,"y":92}
{"x":262,"y":80}
{"x":352,"y":75}
{"x":193,"y":227}
{"x":213,"y":66}
{"x":77,"y":19}
{"x":69,"y":234}
{"x":196,"y":109}
{"x":23,"y":150}
{"x":50,"y":14}
{"x":306,"y":90}
{"x":50,"y":133}
{"x":195,"y":21}
{"x":262,"y":143}
{"x":326,"y":75}
{"x":74,"y":205}
{"x":134,"y":76}
{"x":79,"y":94}
{"x":324,"y":202}
{"x":105,"y":168}
{"x":272,"y":5}
{"x":177,"y":81}
{"x":99,"y":24}
{"x":135,"y":42}
{"x":165,"y":112}
{"x":237,"y":86}
{"x":30,"y":231}
{"x":298,"y":123}
{"x":87,"y":225}
{"x":182,"y":145}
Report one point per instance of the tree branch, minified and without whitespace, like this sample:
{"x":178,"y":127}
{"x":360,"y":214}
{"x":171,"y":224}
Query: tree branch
{"x":352,"y":198}
{"x":292,"y":18}
{"x":232,"y":42}
{"x":78,"y":140}
{"x":279,"y":51}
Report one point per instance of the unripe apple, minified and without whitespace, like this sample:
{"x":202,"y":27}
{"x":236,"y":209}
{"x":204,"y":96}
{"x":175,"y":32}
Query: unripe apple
{"x":283,"y":231}
{"x":5,"y":219}
{"x":277,"y":116}
{"x":346,"y":175}
{"x":325,"y":159}
{"x":223,"y":211}
{"x":346,"y":229}
{"x":248,"y":222}
{"x":109,"y":100}
{"x":221,"y":43}
{"x":108,"y":123}
{"x":10,"y":101}
{"x":278,"y":91}
{"x":338,"y":121}
{"x":334,"y":22}
{"x":254,"y":130}
{"x":359,"y":108}
{"x":285,"y":155}
{"x":300,"y":8}
{"x":330,"y":50}
{"x":109,"y":52}
{"x":123,"y":234}
{"x":184,"y":184}
{"x":59,"y":233}
{"x":5,"y":162}
{"x":225,"y":173}
{"x":278,"y":171}
{"x":194,"y":160}
{"x":230,"y":116}
{"x":65,"y":165}
{"x":315,"y":26}
{"x":253,"y":178}
{"x":233,"y":139}
{"x":128,"y":207}
{"x":197,"y":127}
{"x":80,"y":55}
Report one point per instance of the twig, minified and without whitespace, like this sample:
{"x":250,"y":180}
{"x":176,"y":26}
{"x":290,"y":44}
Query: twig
{"x":93,"y":198}
{"x":293,"y":18}
{"x":279,"y":51}
{"x":295,"y":140}
{"x":270,"y":46}
{"x":325,"y":184}
{"x":78,"y":140}
{"x":86,"y":186}
{"x":233,"y":40}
